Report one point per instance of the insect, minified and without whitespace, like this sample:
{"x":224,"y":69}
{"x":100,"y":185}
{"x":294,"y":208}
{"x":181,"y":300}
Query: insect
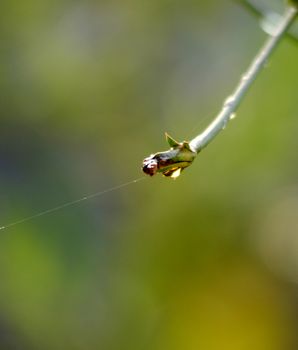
{"x":172,"y":162}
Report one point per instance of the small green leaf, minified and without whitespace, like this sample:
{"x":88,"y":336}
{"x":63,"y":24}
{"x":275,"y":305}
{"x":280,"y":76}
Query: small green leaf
{"x":171,"y":141}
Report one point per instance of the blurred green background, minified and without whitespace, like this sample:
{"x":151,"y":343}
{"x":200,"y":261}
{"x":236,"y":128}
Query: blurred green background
{"x":209,"y":261}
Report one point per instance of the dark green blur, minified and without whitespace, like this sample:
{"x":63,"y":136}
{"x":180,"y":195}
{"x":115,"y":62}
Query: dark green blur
{"x":208,"y":261}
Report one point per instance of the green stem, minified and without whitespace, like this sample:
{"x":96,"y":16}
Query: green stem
{"x":259,"y":10}
{"x":181,"y":155}
{"x":232,"y":102}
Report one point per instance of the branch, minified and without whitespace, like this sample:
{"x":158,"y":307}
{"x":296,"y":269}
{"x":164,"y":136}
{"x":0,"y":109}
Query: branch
{"x":181,"y":155}
{"x":264,"y":14}
{"x":232,"y":102}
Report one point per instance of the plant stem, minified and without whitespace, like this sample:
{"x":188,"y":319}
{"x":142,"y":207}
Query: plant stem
{"x":232,"y":102}
{"x":259,"y":10}
{"x":181,"y":154}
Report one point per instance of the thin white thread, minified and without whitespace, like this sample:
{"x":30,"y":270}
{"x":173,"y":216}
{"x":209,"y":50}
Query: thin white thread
{"x":68,"y":204}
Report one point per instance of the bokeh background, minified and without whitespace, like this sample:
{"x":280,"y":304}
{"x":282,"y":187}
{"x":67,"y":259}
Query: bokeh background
{"x":208,"y":261}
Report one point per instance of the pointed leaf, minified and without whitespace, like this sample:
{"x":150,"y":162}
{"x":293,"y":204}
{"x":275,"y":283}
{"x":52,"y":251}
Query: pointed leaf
{"x":171,"y":141}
